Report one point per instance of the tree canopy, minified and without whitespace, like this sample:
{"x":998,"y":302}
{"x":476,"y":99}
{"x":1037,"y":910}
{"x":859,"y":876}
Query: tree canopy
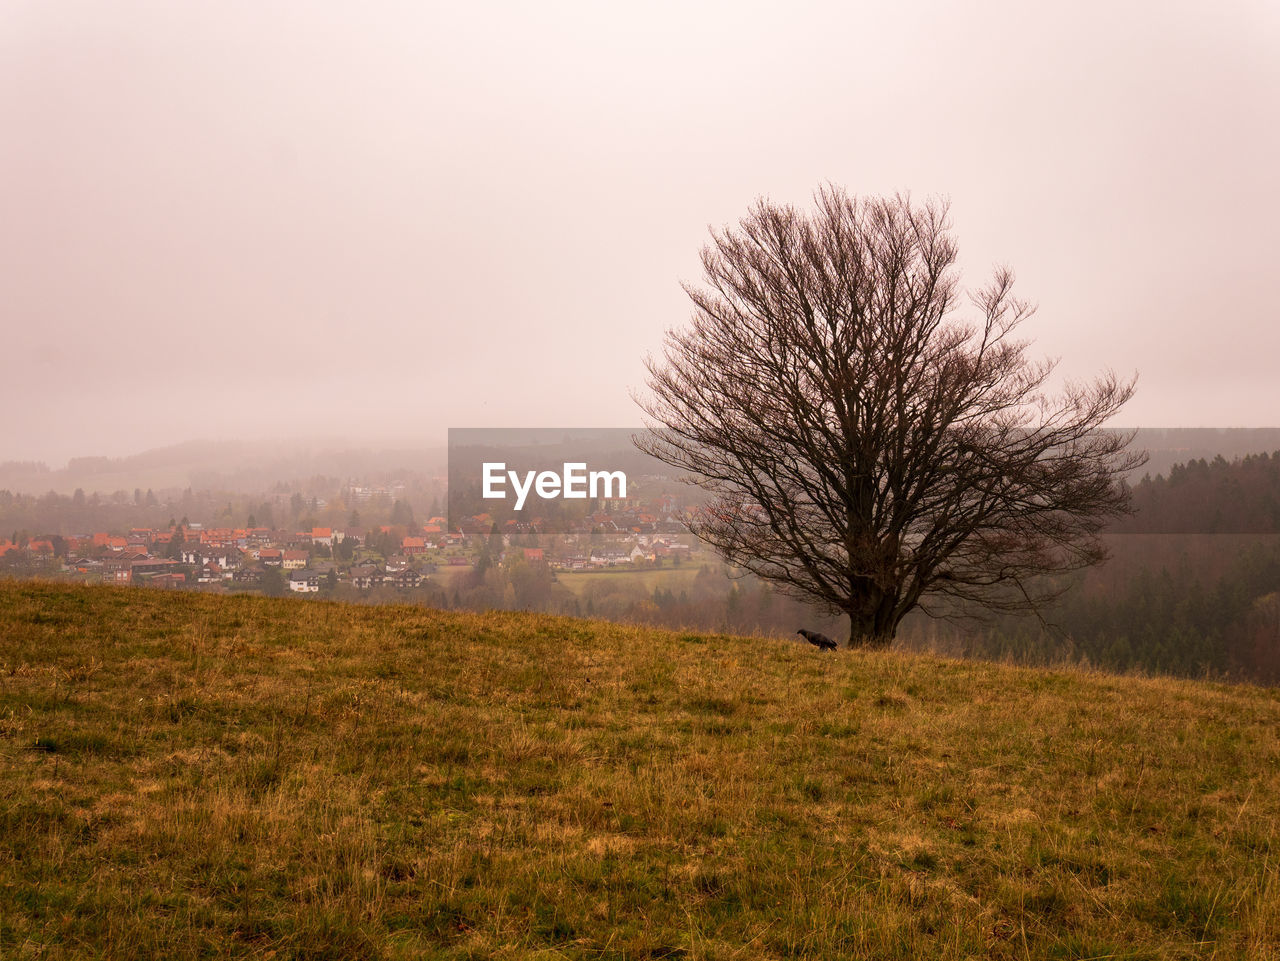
{"x":872,"y":437}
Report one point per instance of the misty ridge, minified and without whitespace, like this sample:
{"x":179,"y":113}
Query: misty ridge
{"x":237,"y":466}
{"x":252,"y":467}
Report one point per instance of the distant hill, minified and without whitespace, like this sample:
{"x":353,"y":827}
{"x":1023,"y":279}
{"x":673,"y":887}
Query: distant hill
{"x":1218,"y":495}
{"x":249,"y":466}
{"x":1178,"y":445}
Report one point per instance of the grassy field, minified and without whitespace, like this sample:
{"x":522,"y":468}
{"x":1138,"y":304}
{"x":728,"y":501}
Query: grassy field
{"x":674,"y":579}
{"x":189,"y":776}
{"x":446,"y":574}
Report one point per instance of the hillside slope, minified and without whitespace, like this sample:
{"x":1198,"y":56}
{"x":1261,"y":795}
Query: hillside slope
{"x":190,"y":776}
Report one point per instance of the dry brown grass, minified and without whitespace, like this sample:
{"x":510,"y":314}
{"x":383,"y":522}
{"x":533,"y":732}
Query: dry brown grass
{"x":190,"y":776}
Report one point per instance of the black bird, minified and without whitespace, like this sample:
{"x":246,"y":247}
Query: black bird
{"x":820,"y":641}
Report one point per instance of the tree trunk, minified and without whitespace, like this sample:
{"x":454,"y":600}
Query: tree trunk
{"x":858,"y":638}
{"x":873,"y":629}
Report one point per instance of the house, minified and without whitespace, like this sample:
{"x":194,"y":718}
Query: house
{"x":533,"y":554}
{"x":230,"y":558}
{"x":294,"y":560}
{"x":365,"y":577}
{"x":270,"y":557}
{"x":117,"y":570}
{"x":151,"y":566}
{"x":227,"y":558}
{"x":81,"y":565}
{"x":220,"y":537}
{"x":413,"y":545}
{"x":304,"y":581}
{"x":248,"y":575}
{"x":405,"y":580}
{"x":210,"y":573}
{"x":322,"y":535}
{"x":473,"y":525}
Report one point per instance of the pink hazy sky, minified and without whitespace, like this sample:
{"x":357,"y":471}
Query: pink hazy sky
{"x":267,"y":219}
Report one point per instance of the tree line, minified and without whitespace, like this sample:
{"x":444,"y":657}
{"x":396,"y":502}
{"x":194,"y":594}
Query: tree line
{"x":1218,"y":496}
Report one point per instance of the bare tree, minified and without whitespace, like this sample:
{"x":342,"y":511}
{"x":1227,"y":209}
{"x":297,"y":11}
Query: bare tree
{"x":864,"y":446}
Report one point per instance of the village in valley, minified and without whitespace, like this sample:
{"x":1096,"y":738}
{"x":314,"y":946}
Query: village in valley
{"x":613,"y":534}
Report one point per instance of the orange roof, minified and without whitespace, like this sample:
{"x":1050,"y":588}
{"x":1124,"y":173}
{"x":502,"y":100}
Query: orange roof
{"x":321,"y":532}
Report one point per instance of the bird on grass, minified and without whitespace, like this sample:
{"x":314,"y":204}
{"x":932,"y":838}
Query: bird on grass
{"x":820,"y":641}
